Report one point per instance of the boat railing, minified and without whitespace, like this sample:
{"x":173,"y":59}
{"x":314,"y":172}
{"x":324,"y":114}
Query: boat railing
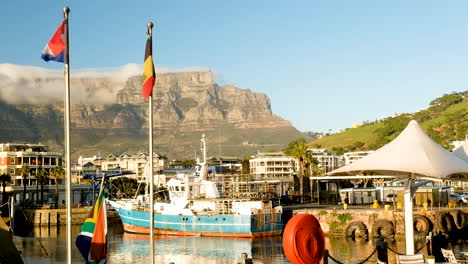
{"x":253,"y":195}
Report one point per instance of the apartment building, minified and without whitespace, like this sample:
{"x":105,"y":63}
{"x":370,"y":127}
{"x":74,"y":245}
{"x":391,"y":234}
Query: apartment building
{"x":135,"y":163}
{"x":273,"y":166}
{"x":14,"y":156}
{"x":327,"y":161}
{"x":350,"y":157}
{"x":232,"y":163}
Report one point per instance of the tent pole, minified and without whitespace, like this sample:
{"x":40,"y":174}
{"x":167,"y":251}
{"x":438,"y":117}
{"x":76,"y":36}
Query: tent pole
{"x":409,"y":233}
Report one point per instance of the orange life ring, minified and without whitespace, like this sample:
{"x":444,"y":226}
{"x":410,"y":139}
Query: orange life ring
{"x":303,"y":240}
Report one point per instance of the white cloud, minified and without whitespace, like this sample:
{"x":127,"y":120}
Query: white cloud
{"x":30,"y":84}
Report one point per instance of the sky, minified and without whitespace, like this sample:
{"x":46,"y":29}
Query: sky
{"x":325,"y":65}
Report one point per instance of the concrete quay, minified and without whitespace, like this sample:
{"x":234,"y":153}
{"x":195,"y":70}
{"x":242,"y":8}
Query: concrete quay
{"x":54,"y":217}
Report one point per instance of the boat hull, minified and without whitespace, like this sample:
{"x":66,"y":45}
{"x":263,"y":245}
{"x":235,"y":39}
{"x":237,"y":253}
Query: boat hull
{"x":221,"y":225}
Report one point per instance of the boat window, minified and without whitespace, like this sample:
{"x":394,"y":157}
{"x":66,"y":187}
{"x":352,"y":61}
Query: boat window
{"x":182,"y":188}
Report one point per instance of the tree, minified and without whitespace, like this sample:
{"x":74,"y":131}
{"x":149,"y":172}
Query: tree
{"x":4,"y":178}
{"x":245,"y":166}
{"x":297,"y":149}
{"x":42,"y":178}
{"x":124,"y":187}
{"x":57,"y":172}
{"x":25,"y":171}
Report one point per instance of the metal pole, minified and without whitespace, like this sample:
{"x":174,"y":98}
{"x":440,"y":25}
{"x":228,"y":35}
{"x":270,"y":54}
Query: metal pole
{"x":66,"y":11}
{"x":409,"y":234}
{"x":318,"y":191}
{"x":151,"y":180}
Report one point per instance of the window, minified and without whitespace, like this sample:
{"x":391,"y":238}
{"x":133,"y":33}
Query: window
{"x":12,"y":171}
{"x":12,"y":160}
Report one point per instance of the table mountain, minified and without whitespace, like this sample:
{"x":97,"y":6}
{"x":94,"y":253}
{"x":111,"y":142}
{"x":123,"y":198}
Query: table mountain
{"x":108,"y":114}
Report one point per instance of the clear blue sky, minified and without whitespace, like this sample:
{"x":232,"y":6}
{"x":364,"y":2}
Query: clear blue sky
{"x":324,"y":64}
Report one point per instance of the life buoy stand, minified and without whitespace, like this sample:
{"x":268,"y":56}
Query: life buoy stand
{"x":458,"y":218}
{"x":356,"y":229}
{"x":303,"y":240}
{"x":422,"y":225}
{"x":382,"y":228}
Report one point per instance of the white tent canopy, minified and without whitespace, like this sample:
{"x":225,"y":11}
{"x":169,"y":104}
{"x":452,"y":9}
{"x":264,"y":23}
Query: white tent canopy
{"x":462,"y":151}
{"x":412,"y":152}
{"x":411,"y":155}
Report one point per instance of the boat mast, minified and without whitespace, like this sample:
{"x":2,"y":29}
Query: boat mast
{"x":203,"y":168}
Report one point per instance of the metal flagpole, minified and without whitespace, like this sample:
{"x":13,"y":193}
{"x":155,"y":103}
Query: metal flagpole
{"x":151,"y":177}
{"x":66,"y":11}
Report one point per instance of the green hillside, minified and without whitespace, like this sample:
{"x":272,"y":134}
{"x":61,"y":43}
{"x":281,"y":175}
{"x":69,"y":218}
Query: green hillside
{"x":445,"y":120}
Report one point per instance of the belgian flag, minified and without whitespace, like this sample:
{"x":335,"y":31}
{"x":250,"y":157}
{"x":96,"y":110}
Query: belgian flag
{"x":148,"y":70}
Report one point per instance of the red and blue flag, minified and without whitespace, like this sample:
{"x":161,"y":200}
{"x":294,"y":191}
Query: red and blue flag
{"x":55,"y":48}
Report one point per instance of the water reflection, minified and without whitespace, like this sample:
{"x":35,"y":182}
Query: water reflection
{"x":44,"y":245}
{"x":133,"y":248}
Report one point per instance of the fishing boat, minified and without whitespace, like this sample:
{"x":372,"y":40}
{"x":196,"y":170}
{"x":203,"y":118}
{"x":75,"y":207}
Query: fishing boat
{"x":197,"y":207}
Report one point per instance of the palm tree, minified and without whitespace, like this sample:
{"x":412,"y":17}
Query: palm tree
{"x":42,"y":178}
{"x":57,"y":172}
{"x":297,"y":149}
{"x":25,"y":171}
{"x":314,"y":170}
{"x":4,"y":178}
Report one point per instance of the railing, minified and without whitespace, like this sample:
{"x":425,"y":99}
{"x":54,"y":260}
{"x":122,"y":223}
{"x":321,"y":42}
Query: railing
{"x":381,"y":249}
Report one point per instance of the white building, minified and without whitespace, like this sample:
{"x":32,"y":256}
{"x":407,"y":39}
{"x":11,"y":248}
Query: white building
{"x":327,"y":160}
{"x":350,"y":157}
{"x":96,"y":160}
{"x":135,"y":163}
{"x":458,"y":143}
{"x":273,"y":166}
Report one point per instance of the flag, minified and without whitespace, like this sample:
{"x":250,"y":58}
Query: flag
{"x":148,"y":70}
{"x":91,"y":241}
{"x":55,"y":48}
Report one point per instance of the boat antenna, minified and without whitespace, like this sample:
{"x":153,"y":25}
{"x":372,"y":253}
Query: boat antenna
{"x":219,"y":144}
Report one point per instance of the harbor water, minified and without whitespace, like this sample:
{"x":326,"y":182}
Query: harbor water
{"x":48,"y":245}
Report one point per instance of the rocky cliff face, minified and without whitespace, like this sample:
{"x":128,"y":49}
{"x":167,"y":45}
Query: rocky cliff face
{"x":193,"y":97}
{"x":186,"y":104}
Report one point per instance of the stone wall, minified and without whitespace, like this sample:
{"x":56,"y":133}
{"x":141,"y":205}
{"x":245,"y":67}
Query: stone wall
{"x":339,"y":221}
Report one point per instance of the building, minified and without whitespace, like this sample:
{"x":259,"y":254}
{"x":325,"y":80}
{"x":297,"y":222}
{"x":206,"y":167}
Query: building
{"x":327,"y":161}
{"x":86,"y":166}
{"x":232,"y":163}
{"x":458,"y":143}
{"x":273,"y":166}
{"x":96,"y":160}
{"x":36,"y":156}
{"x":135,"y":163}
{"x":350,"y":157}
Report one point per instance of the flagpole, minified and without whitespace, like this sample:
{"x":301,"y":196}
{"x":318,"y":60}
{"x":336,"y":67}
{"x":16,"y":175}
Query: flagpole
{"x":66,"y":12}
{"x":151,"y":181}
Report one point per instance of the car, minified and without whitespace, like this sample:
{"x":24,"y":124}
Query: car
{"x":462,"y":197}
{"x":390,"y":198}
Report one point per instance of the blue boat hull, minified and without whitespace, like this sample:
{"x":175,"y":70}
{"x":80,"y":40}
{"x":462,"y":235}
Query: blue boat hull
{"x":221,"y":225}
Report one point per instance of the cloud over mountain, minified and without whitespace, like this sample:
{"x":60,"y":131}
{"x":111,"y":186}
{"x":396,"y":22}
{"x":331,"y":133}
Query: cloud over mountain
{"x":36,"y":85}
